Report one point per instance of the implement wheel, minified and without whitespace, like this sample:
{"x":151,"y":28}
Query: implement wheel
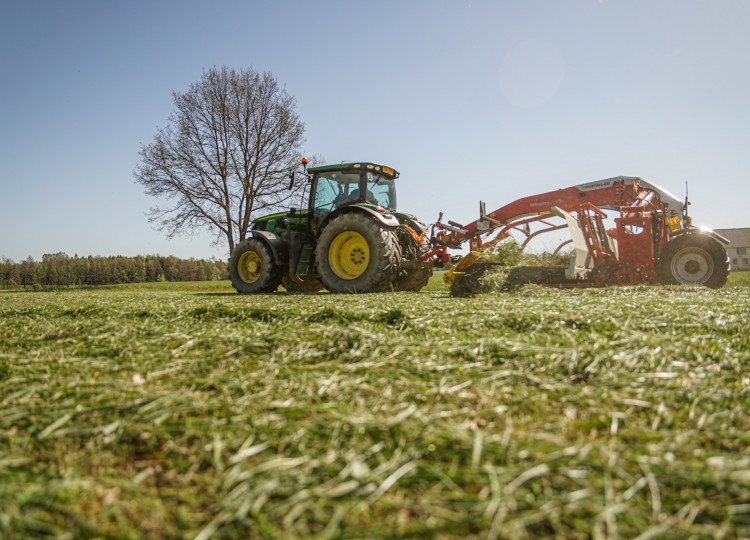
{"x":694,"y":259}
{"x":252,"y":268}
{"x":357,"y":254}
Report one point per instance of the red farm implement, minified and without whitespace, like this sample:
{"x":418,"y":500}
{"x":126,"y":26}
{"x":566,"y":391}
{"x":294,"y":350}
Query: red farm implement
{"x":652,"y":240}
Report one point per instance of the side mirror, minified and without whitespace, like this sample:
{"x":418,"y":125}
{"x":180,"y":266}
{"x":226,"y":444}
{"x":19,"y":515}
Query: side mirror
{"x":291,"y":180}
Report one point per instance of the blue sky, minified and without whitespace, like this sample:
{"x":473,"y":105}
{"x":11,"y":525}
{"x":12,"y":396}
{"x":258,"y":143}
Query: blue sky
{"x":469,"y":100}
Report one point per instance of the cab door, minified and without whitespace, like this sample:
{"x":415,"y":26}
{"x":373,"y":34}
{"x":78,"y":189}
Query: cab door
{"x":330,"y":191}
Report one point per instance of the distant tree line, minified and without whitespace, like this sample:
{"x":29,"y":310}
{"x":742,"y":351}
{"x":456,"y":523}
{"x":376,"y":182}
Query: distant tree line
{"x":58,"y":270}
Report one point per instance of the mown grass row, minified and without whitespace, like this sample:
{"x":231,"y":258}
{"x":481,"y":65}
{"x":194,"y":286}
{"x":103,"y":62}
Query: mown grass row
{"x":186,"y":411}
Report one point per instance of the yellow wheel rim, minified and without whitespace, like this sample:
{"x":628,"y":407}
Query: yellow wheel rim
{"x":349,"y":255}
{"x":249,"y":267}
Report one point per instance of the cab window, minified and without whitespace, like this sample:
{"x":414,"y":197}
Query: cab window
{"x":333,"y":190}
{"x":381,"y":191}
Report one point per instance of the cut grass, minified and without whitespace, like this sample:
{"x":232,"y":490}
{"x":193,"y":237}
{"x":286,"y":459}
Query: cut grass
{"x":182,"y":411}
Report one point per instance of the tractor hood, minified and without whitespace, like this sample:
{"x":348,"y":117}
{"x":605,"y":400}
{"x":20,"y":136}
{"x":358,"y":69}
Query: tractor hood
{"x":403,"y":218}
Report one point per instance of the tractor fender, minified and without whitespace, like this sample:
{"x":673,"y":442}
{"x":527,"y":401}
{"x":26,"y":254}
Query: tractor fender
{"x":387,"y":219}
{"x":703,"y":230}
{"x":278,"y":246}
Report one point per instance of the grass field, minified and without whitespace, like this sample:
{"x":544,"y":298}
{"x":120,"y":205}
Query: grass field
{"x":184,"y":410}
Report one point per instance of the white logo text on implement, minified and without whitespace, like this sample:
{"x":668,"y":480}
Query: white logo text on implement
{"x":596,"y":185}
{"x":545,"y":204}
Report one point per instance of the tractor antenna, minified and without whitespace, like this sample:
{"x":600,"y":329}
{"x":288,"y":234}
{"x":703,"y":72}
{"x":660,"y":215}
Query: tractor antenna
{"x":302,"y":197}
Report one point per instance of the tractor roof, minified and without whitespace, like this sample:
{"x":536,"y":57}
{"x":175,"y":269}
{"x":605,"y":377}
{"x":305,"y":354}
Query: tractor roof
{"x":366,"y":165}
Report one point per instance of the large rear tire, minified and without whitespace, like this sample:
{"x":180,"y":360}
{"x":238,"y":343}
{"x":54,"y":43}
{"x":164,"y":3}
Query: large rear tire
{"x":357,"y":254}
{"x":252,"y":268}
{"x":694,"y":259}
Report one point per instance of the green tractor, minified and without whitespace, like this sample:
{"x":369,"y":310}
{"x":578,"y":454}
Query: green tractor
{"x":350,"y":239}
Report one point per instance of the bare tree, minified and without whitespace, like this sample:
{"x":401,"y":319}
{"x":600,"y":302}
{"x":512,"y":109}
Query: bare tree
{"x":224,"y":155}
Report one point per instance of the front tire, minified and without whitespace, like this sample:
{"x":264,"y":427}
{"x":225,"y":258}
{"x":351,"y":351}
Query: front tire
{"x":357,"y":254}
{"x":252,"y":268}
{"x":694,"y":259}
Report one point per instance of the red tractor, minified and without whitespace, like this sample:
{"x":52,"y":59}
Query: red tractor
{"x":652,"y":241}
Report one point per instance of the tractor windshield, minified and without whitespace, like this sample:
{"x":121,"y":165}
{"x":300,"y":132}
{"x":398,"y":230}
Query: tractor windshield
{"x":336,"y":189}
{"x":381,"y":191}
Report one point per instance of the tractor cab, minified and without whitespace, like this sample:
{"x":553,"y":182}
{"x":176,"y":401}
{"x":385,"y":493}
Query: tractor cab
{"x":362,"y":184}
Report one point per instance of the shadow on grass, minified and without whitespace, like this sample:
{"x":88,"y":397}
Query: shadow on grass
{"x":284,"y":294}
{"x":263,"y":295}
